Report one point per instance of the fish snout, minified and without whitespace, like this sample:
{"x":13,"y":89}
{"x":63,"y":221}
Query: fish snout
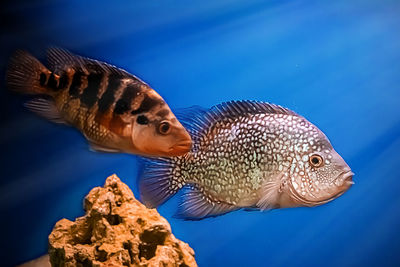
{"x":347,"y":179}
{"x":181,"y":148}
{"x":182,"y":145}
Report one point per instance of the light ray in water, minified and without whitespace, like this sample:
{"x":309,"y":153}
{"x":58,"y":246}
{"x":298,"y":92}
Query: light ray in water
{"x":335,"y":62}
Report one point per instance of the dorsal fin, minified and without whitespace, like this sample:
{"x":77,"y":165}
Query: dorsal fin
{"x":192,"y":118}
{"x":59,"y":59}
{"x":233,"y":109}
{"x":195,"y":119}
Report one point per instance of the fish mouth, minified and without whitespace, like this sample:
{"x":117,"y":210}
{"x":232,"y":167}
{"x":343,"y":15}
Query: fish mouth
{"x":347,"y":181}
{"x":180,"y":148}
{"x":346,"y":178}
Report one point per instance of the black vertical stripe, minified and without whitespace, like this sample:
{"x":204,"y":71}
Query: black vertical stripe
{"x":76,"y":84}
{"x":63,"y":81}
{"x":52,"y":82}
{"x":124,"y":103}
{"x":89,"y":94}
{"x":147,"y":104}
{"x":108,"y":97}
{"x":42,"y":79}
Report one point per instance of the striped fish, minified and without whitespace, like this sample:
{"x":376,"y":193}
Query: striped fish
{"x":115,"y":111}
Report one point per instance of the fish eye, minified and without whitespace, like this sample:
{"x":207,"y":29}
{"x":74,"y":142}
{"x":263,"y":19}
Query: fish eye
{"x":142,"y":120}
{"x":164,"y":127}
{"x":316,"y":160}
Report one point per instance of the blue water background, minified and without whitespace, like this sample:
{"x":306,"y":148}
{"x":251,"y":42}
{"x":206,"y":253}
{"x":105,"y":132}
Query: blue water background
{"x":335,"y":62}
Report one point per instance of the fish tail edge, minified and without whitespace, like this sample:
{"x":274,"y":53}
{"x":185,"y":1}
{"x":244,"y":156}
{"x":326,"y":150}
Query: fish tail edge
{"x":157,"y":182}
{"x":24,"y":72}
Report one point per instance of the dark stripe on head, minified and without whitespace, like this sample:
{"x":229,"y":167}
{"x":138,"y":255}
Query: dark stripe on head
{"x":89,"y":95}
{"x":147,"y":104}
{"x":124,"y":103}
{"x":63,"y":81}
{"x":42,"y":79}
{"x":163,"y":113}
{"x":108,"y":97}
{"x":52,"y":82}
{"x":76,"y":84}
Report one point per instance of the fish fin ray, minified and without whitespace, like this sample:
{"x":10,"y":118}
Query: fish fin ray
{"x":197,"y":119}
{"x":157,"y":182}
{"x":60,"y":59}
{"x":270,"y":193}
{"x":196,"y":205}
{"x":192,"y":118}
{"x":23,"y":73}
{"x":233,"y":109}
{"x":45,"y":108}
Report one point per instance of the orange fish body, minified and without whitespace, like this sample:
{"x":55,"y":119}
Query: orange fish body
{"x":115,"y":111}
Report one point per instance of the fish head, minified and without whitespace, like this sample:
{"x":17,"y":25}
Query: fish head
{"x":319,"y":174}
{"x":160,"y":134}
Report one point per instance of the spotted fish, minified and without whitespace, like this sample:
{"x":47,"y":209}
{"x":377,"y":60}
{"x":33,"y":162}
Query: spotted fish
{"x":115,"y":111}
{"x":246,"y":154}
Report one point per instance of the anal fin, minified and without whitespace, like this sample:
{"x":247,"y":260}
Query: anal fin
{"x":45,"y":108}
{"x":196,"y":205}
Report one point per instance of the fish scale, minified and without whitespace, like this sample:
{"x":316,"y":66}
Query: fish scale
{"x":246,"y":154}
{"x":101,"y":101}
{"x":238,"y":181}
{"x":87,"y":87}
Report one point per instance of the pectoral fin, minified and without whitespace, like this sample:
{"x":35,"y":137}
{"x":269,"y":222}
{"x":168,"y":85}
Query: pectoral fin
{"x":270,"y":192}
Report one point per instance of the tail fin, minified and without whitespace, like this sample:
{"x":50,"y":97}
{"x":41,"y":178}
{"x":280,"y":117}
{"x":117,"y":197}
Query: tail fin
{"x":25,"y":74}
{"x":158,"y":180}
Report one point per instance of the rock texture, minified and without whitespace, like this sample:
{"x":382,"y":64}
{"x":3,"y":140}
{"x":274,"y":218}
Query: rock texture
{"x":117,"y":230}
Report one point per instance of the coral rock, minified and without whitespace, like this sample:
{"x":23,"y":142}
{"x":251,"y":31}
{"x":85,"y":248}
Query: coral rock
{"x":117,"y":230}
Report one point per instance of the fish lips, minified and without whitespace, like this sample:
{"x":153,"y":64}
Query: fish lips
{"x":345,"y":179}
{"x":180,"y":148}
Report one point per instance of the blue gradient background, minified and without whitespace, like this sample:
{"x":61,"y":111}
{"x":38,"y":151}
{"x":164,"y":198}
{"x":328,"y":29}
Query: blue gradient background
{"x":335,"y":62}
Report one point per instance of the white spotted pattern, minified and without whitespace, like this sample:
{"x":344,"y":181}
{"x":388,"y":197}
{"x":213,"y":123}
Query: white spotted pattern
{"x":234,"y":157}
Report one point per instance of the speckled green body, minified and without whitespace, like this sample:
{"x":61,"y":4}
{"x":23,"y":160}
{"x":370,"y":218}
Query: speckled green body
{"x":234,"y":158}
{"x":249,"y":154}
